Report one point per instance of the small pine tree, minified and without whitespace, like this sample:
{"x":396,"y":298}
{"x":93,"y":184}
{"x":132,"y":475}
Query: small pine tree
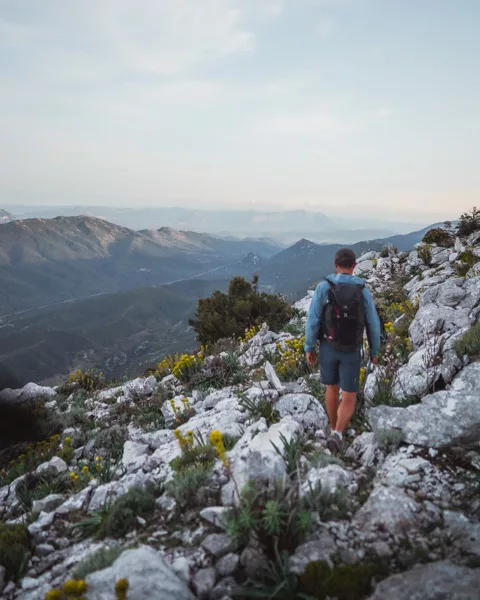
{"x":230,"y":315}
{"x":469,"y":222}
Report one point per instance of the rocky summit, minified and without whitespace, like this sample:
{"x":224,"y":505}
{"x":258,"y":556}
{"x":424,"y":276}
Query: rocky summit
{"x":209,"y":477}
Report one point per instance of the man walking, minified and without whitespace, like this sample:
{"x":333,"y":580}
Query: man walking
{"x":341,"y":309}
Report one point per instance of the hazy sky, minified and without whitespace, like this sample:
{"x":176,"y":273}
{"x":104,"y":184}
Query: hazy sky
{"x":241,"y":103}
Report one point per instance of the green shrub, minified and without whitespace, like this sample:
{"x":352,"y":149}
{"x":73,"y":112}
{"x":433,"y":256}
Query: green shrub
{"x":186,"y":485}
{"x":469,"y":222}
{"x":257,"y":409}
{"x":196,"y":456}
{"x":278,"y":518}
{"x":99,"y":560}
{"x":122,"y":517}
{"x":469,"y":343}
{"x":112,"y":440}
{"x":89,"y":380}
{"x":384,"y":252}
{"x":440,"y":236}
{"x":36,"y":487}
{"x":468,"y":258}
{"x":14,"y":549}
{"x":320,"y":459}
{"x":219,"y":372}
{"x":230,"y":315}
{"x":385,"y":397}
{"x":292,"y":451}
{"x":118,"y":518}
{"x":425,"y":253}
{"x":390,"y":439}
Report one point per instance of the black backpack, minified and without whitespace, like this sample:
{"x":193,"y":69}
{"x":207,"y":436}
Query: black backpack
{"x":343,"y":320}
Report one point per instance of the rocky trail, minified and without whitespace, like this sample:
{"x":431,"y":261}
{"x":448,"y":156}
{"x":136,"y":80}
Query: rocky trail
{"x":210,"y":478}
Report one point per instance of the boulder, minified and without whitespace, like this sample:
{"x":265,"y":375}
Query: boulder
{"x":56,"y":465}
{"x":321,"y":549}
{"x":363,"y":267}
{"x":305,"y":409}
{"x":148,"y":576}
{"x":440,"y":420}
{"x":254,"y":457}
{"x":434,"y":581}
{"x":388,"y":508}
{"x":27,"y":392}
{"x":134,"y":453}
{"x":468,"y":380}
{"x":331,"y":478}
{"x":436,"y":319}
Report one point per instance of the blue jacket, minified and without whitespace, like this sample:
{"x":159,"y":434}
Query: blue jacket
{"x":319,"y":300}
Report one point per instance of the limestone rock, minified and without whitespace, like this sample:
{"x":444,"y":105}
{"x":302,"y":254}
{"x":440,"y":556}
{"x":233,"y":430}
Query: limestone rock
{"x":468,"y":380}
{"x":273,"y":377}
{"x":254,"y":458}
{"x":389,"y":508}
{"x":434,"y":581}
{"x":48,"y":503}
{"x":331,"y":478}
{"x":440,"y":420}
{"x":305,"y":409}
{"x":57,"y":465}
{"x":27,"y":392}
{"x":148,"y":577}
{"x":319,"y":549}
{"x":218,"y":544}
{"x":204,"y":582}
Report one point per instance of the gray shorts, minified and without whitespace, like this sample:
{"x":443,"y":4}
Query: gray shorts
{"x":340,"y":368}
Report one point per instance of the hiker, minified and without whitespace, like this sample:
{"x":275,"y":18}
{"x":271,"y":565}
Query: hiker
{"x":341,"y":309}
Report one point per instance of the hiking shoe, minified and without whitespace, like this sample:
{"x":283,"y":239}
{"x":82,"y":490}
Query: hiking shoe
{"x":335,"y":444}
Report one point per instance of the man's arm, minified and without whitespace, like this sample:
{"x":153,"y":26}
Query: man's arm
{"x":314,"y":321}
{"x":372,"y":323}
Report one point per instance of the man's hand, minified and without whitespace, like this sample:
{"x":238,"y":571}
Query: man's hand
{"x":375,"y":360}
{"x":312,"y":358}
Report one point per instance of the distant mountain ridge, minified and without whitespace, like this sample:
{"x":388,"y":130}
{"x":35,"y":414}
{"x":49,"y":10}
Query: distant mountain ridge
{"x":286,"y":226}
{"x":295,"y":269}
{"x":44,"y":261}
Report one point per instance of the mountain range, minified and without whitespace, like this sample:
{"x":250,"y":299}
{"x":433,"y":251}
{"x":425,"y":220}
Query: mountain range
{"x":80,"y":292}
{"x":5,"y":217}
{"x":287,"y":226}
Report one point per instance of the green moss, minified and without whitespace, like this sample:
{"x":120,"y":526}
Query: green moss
{"x":344,"y":582}
{"x":14,"y":549}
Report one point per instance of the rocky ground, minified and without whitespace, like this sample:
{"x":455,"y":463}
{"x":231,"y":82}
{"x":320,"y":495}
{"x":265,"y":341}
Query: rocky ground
{"x":136,"y":486}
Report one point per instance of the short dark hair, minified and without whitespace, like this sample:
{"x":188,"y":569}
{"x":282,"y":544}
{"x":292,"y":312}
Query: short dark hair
{"x":345,"y":258}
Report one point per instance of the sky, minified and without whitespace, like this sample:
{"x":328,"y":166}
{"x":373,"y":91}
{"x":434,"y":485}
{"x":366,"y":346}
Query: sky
{"x":349,"y":106}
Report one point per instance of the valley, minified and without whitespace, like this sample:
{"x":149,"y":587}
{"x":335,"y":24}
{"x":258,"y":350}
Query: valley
{"x":80,"y":292}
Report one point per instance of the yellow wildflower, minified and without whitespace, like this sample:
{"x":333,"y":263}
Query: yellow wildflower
{"x":121,"y":585}
{"x":70,"y":587}
{"x":72,"y":475}
{"x":85,"y":470}
{"x":54,"y":595}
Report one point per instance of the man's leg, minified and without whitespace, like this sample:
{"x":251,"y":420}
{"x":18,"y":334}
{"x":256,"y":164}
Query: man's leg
{"x":332,"y":401}
{"x":349,"y":382}
{"x":345,"y":410}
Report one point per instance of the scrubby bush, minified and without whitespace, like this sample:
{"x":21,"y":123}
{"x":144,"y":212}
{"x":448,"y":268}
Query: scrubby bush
{"x":440,"y":236}
{"x":469,"y":222}
{"x":262,"y":407}
{"x":390,"y":439}
{"x":89,"y":380}
{"x":469,"y":343}
{"x":122,"y":517}
{"x":14,"y":549}
{"x":384,"y":252}
{"x":187,"y":484}
{"x":230,"y":315}
{"x":424,"y":252}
